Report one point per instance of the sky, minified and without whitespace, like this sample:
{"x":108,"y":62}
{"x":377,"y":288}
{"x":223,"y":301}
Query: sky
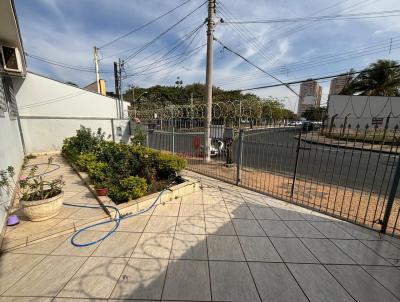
{"x":67,"y":31}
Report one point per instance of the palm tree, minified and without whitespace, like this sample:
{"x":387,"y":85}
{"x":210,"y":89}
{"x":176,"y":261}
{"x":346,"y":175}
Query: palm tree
{"x":379,"y":79}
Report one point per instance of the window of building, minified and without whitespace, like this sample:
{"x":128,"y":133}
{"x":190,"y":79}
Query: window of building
{"x":9,"y":94}
{"x":3,"y":104}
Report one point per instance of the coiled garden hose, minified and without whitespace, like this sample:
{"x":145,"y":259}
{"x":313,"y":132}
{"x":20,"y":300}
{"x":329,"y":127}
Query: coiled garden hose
{"x":117,"y":220}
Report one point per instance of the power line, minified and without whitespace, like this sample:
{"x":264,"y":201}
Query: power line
{"x":144,"y":25}
{"x":381,"y":14}
{"x":314,"y":79}
{"x":259,"y":68}
{"x":63,"y":65}
{"x":131,"y":56}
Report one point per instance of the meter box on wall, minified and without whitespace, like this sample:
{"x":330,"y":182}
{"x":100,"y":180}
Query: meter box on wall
{"x":122,"y":130}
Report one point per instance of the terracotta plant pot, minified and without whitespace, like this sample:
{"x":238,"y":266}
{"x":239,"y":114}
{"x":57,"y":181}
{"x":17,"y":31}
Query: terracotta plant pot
{"x":102,"y":192}
{"x":40,"y":210}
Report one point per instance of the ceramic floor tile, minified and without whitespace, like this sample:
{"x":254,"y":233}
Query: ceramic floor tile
{"x":15,"y":266}
{"x":259,"y":249}
{"x":167,"y":209}
{"x":48,"y":277}
{"x":240,"y":212}
{"x":293,"y":250}
{"x":191,"y":210}
{"x":66,"y":248}
{"x":219,"y":226}
{"x":190,"y":225}
{"x":187,"y":280}
{"x":95,"y":279}
{"x":189,"y":247}
{"x":232,"y":281}
{"x":158,"y":224}
{"x":275,"y":283}
{"x":119,"y":244}
{"x":318,"y":284}
{"x":360,"y":253}
{"x":216,"y":211}
{"x":276,"y":228}
{"x":43,"y":247}
{"x":151,"y":245}
{"x":264,"y":213}
{"x":224,"y":248}
{"x":331,"y":230}
{"x":360,"y":284}
{"x":288,"y":214}
{"x":304,"y":229}
{"x":387,"y":276}
{"x":141,"y":279}
{"x":326,"y":251}
{"x":247,"y":227}
{"x":384,"y":249}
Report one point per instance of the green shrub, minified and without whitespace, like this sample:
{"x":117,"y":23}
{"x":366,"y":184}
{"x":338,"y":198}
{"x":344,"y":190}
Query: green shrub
{"x":167,"y":165}
{"x":84,"y":141}
{"x":129,"y":188}
{"x":117,"y":194}
{"x":98,"y":172}
{"x":135,"y":186}
{"x":85,"y":160}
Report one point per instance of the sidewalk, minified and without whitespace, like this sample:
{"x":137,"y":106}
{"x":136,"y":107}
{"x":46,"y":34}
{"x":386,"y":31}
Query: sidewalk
{"x":317,"y":138}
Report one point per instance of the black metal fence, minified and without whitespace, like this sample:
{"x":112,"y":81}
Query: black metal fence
{"x":350,"y":171}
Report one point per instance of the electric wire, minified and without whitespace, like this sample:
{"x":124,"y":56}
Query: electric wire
{"x":133,"y":55}
{"x":144,"y":25}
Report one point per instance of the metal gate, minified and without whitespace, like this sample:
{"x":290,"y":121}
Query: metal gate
{"x":347,"y":171}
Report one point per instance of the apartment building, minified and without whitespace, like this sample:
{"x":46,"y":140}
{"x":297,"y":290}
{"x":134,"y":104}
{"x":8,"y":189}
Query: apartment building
{"x":310,"y":96}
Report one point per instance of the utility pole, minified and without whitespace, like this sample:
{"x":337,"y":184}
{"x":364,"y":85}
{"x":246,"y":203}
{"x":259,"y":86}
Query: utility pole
{"x":209,"y":70}
{"x":116,"y":83}
{"x":191,"y":107}
{"x":121,"y":67}
{"x":96,"y":66}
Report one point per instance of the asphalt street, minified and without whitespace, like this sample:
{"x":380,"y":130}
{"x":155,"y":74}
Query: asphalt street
{"x":275,"y":150}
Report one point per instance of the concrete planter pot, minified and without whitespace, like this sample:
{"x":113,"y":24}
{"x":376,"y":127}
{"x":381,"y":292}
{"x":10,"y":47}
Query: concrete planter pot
{"x":44,"y":209}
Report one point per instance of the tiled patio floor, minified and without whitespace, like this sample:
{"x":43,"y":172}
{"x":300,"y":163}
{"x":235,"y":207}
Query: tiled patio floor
{"x":222,"y":243}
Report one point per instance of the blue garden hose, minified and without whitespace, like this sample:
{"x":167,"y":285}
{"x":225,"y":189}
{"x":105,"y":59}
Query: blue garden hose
{"x":117,"y":219}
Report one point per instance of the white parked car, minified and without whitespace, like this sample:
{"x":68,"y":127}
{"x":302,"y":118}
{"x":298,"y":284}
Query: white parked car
{"x":295,"y":123}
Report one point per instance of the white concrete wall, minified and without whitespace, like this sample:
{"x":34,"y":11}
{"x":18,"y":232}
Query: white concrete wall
{"x":362,"y":109}
{"x":41,"y":96}
{"x":44,"y":135}
{"x":50,"y":111}
{"x":11,"y":154}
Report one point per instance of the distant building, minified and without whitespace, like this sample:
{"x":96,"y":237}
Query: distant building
{"x":310,"y":96}
{"x":93,"y":87}
{"x":337,"y":84}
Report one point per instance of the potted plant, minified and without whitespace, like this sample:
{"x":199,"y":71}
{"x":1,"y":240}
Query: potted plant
{"x":101,"y":188}
{"x":41,"y":199}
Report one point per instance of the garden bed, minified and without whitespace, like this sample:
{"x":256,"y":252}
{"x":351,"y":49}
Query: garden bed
{"x":127,"y":171}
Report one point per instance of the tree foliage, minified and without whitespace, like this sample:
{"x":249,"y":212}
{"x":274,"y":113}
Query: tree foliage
{"x":315,"y":114}
{"x":381,"y":78}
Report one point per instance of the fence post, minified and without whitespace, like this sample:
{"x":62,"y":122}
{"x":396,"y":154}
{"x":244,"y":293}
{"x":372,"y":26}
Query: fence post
{"x":240,"y":156}
{"x":173,"y":140}
{"x":391,"y":197}
{"x":296,"y":164}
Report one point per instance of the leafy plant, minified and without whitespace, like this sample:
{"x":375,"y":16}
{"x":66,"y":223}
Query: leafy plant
{"x":167,"y":165}
{"x":139,"y":136}
{"x":32,"y":187}
{"x":97,"y":172}
{"x":85,"y":160}
{"x":135,"y":186}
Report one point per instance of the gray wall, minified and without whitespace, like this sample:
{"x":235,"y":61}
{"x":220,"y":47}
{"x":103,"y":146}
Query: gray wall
{"x":363,"y":110}
{"x":50,"y":111}
{"x":11,"y":154}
